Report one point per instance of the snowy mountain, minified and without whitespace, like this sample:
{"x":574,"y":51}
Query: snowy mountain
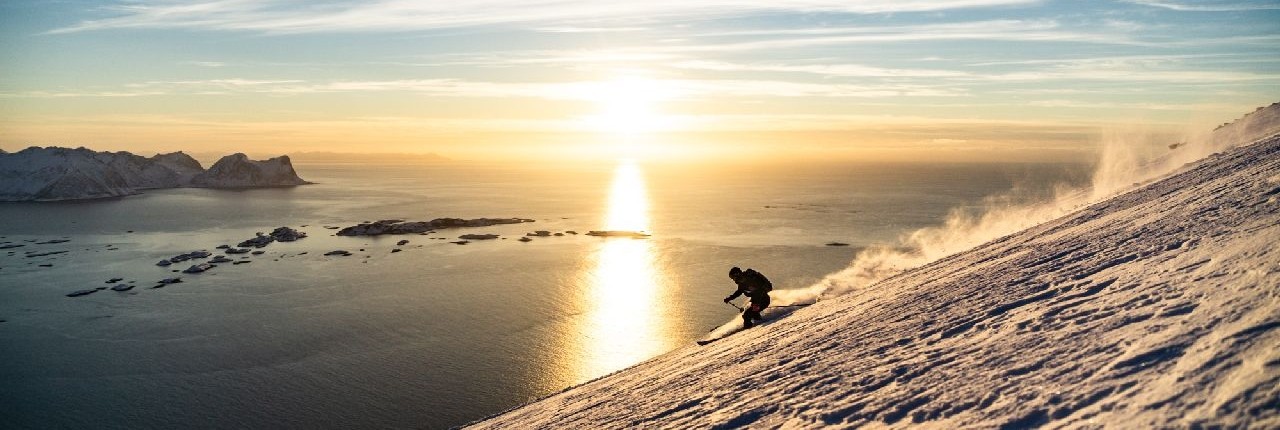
{"x":53,"y":173}
{"x":180,"y":163}
{"x":1155,"y":307}
{"x":237,"y":171}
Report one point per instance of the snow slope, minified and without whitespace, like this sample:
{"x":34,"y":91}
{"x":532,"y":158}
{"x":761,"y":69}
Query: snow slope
{"x":53,"y":173}
{"x":1156,"y":307}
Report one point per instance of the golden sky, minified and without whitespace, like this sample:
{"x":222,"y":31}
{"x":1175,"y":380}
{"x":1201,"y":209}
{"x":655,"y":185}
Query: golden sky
{"x":565,"y":79}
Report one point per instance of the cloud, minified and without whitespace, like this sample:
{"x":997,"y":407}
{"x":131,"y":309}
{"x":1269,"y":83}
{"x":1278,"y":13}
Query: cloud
{"x":849,"y":70}
{"x":221,"y":83}
{"x":894,"y":124}
{"x":1169,"y":69}
{"x":1209,"y":5}
{"x":750,"y":88}
{"x":1138,"y":69}
{"x":574,"y":58}
{"x":1090,"y":61}
{"x":1001,"y":25}
{"x":899,"y":124}
{"x":205,"y":63}
{"x":1135,"y":75}
{"x":568,"y":90}
{"x":1035,"y":30}
{"x":71,"y":94}
{"x":298,"y":16}
{"x":1189,"y":107}
{"x":589,"y":29}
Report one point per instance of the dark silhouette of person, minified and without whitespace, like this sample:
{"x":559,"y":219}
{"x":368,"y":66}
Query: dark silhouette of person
{"x":756,"y":287}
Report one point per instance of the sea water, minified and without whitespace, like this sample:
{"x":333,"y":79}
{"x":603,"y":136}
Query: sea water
{"x":437,"y":334}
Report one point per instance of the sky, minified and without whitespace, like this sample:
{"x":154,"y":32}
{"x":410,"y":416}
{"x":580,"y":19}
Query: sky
{"x":567,"y":79}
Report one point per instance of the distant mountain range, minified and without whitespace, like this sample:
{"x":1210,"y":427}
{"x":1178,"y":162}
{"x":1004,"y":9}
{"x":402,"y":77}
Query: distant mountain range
{"x":367,"y":158}
{"x":55,"y":173}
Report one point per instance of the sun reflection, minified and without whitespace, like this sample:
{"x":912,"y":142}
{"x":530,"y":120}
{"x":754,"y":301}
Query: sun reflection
{"x":625,"y":323}
{"x":628,"y":201}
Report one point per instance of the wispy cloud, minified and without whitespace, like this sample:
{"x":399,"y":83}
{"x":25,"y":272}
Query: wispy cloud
{"x":1092,"y":61}
{"x":1190,"y":107}
{"x":960,"y":27}
{"x":219,"y":83}
{"x":78,"y":94}
{"x":1171,"y":69}
{"x":1209,"y":5}
{"x":846,"y":70}
{"x":880,"y":122}
{"x":1041,"y":30}
{"x":1135,"y":75}
{"x":718,"y":64}
{"x":596,"y":90}
{"x":212,"y":64}
{"x":567,"y":57}
{"x":589,"y":29}
{"x":1136,"y":69}
{"x":668,"y":89}
{"x":298,"y":16}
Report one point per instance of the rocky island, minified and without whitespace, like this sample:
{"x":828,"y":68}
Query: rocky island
{"x":54,"y":173}
{"x":619,"y":233}
{"x":399,"y":226}
{"x":280,"y":234}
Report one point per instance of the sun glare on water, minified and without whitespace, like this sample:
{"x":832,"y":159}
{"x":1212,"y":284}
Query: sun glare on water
{"x":628,"y":202}
{"x":623,"y":286}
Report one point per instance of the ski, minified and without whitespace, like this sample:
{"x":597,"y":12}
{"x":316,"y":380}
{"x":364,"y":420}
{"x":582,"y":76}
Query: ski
{"x":769,"y":319}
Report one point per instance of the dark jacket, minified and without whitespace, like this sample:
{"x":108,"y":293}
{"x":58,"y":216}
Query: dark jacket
{"x":754,"y":285}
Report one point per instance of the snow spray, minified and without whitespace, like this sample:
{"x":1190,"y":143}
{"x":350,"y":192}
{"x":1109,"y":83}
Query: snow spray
{"x":1127,"y":159}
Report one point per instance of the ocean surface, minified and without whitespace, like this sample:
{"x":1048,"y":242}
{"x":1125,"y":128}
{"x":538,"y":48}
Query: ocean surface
{"x":438,"y":334}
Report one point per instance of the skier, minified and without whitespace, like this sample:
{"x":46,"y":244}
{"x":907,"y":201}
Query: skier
{"x":756,"y":287}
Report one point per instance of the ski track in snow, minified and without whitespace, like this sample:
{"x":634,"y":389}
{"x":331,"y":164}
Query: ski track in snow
{"x":1158,"y":307}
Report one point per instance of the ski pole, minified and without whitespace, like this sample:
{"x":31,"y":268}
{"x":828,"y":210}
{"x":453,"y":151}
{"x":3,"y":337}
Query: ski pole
{"x":740,"y":309}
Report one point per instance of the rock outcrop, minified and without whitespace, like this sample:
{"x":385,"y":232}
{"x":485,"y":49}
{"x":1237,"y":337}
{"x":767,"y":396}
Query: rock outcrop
{"x":280,"y":234}
{"x":238,"y":171}
{"x":398,"y":226}
{"x":198,"y":268}
{"x":618,"y":233}
{"x":478,"y":237}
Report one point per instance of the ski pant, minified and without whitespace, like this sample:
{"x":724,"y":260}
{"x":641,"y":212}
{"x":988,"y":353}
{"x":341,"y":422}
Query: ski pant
{"x":753,"y":310}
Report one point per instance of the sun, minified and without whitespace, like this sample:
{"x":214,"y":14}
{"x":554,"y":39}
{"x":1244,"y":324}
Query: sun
{"x":627,"y":105}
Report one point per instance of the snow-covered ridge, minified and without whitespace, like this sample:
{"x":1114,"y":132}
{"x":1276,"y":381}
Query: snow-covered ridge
{"x":237,"y":171}
{"x":1154,"y":308}
{"x":54,"y":173}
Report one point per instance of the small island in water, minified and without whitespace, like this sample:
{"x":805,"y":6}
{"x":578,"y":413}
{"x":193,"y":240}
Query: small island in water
{"x":55,"y":173}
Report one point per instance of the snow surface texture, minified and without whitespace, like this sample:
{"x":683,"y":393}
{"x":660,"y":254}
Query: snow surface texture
{"x":1126,"y":162}
{"x":1156,"y":307}
{"x":41,"y":174}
